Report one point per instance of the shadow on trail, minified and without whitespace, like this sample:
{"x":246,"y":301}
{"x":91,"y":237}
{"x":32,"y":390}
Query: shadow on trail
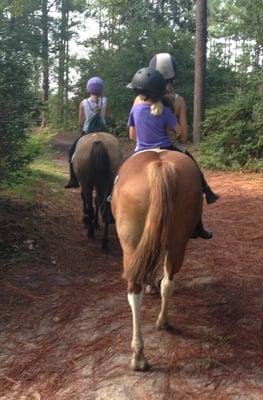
{"x":66,"y":324}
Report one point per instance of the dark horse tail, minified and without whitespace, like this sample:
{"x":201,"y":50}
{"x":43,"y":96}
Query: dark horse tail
{"x":102,"y":178}
{"x":160,"y":219}
{"x":100,"y":164}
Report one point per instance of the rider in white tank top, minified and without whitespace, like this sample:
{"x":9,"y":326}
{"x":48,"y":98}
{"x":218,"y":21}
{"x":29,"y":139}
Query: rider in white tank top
{"x":91,"y":106}
{"x":88,"y":108}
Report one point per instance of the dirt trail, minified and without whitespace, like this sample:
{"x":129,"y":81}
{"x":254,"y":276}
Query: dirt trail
{"x":65,"y":326}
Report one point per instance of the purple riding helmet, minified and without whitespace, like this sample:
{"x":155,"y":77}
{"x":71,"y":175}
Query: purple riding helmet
{"x":95,"y":85}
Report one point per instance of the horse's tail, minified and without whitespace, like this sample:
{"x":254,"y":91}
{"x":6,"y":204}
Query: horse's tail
{"x":152,"y":248}
{"x":99,"y":162}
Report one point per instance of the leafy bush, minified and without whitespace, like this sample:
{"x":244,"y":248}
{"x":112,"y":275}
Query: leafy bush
{"x":15,"y":105}
{"x":233,"y":134}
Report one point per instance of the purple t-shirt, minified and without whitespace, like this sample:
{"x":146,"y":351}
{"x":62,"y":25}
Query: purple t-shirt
{"x":150,"y":129}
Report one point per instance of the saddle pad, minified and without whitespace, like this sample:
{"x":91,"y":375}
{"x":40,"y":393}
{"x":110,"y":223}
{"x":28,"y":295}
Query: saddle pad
{"x":156,"y":150}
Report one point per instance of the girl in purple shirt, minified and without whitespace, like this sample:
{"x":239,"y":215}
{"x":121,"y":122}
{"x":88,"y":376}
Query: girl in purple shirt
{"x":150,"y":122}
{"x":148,"y":127}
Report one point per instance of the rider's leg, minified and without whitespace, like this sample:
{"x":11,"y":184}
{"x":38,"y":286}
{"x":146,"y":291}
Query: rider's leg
{"x":210,"y":196}
{"x":73,"y":181}
{"x":199,"y":231}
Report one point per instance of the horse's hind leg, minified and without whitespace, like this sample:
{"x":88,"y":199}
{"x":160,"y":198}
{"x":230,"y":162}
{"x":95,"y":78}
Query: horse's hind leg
{"x":138,"y":362}
{"x":105,"y":240}
{"x":88,"y":210}
{"x":167,"y":288}
{"x":135,"y":294}
{"x":85,"y":209}
{"x":96,"y":217}
{"x":108,"y":219}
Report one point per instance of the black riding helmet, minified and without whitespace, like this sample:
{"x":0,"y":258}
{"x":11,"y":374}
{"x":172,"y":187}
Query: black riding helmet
{"x":164,"y":63}
{"x":148,"y":82}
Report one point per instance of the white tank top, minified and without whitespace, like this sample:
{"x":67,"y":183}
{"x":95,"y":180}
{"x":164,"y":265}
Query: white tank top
{"x":90,"y":106}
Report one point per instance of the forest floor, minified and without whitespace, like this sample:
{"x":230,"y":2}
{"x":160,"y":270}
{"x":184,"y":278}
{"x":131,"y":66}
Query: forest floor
{"x":65,"y":327}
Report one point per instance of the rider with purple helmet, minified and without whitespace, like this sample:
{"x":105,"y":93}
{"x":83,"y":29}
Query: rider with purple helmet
{"x":95,"y":85}
{"x":95,"y":105}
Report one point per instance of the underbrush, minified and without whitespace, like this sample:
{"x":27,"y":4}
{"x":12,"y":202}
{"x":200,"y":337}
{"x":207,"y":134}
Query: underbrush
{"x":42,"y":171}
{"x":233,"y":135}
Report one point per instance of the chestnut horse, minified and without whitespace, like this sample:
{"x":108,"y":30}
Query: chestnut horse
{"x":157,"y":202}
{"x":96,"y":161}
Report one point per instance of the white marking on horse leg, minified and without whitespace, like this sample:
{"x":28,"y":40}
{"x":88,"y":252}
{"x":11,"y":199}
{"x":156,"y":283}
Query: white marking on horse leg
{"x":135,"y":301}
{"x":167,"y":288}
{"x":139,"y":361}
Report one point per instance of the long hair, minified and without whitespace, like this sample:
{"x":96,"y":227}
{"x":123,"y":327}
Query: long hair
{"x":98,"y":100}
{"x":157,"y":108}
{"x":151,"y":250}
{"x":156,"y":102}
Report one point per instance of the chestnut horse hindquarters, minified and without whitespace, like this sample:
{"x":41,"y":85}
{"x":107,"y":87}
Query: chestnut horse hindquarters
{"x":151,"y":250}
{"x":156,"y":202}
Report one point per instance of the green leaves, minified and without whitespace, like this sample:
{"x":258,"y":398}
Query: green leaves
{"x":234,"y":134}
{"x":15,"y":99}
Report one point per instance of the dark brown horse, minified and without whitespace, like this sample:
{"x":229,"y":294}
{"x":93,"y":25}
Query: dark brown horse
{"x":96,"y":161}
{"x":156,"y":202}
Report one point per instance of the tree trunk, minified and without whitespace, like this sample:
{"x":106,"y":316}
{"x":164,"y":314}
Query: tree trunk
{"x":200,"y":68}
{"x":67,"y":71}
{"x":61,"y":66}
{"x":45,"y":62}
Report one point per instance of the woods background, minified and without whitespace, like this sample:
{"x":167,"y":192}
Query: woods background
{"x":37,"y":64}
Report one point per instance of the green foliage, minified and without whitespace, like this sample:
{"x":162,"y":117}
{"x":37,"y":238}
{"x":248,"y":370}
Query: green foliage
{"x":34,"y":146}
{"x":15,"y":105}
{"x":222,"y":82}
{"x":16,"y":100}
{"x":26,"y":182}
{"x":131,"y":33}
{"x":233,"y":134}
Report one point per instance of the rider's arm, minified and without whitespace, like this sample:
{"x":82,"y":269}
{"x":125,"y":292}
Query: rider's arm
{"x":181,"y":115}
{"x":177,"y":133}
{"x":132,"y":133}
{"x":172,"y":133}
{"x":81,"y":116}
{"x":171,"y":124}
{"x":131,"y":125}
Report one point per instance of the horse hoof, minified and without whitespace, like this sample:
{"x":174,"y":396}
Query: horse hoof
{"x":164,"y":326}
{"x":139,"y":365}
{"x":152,"y":289}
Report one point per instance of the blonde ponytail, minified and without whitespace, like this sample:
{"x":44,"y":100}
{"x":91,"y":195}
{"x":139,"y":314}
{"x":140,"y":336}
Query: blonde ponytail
{"x":157,"y":109}
{"x":97,"y":106}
